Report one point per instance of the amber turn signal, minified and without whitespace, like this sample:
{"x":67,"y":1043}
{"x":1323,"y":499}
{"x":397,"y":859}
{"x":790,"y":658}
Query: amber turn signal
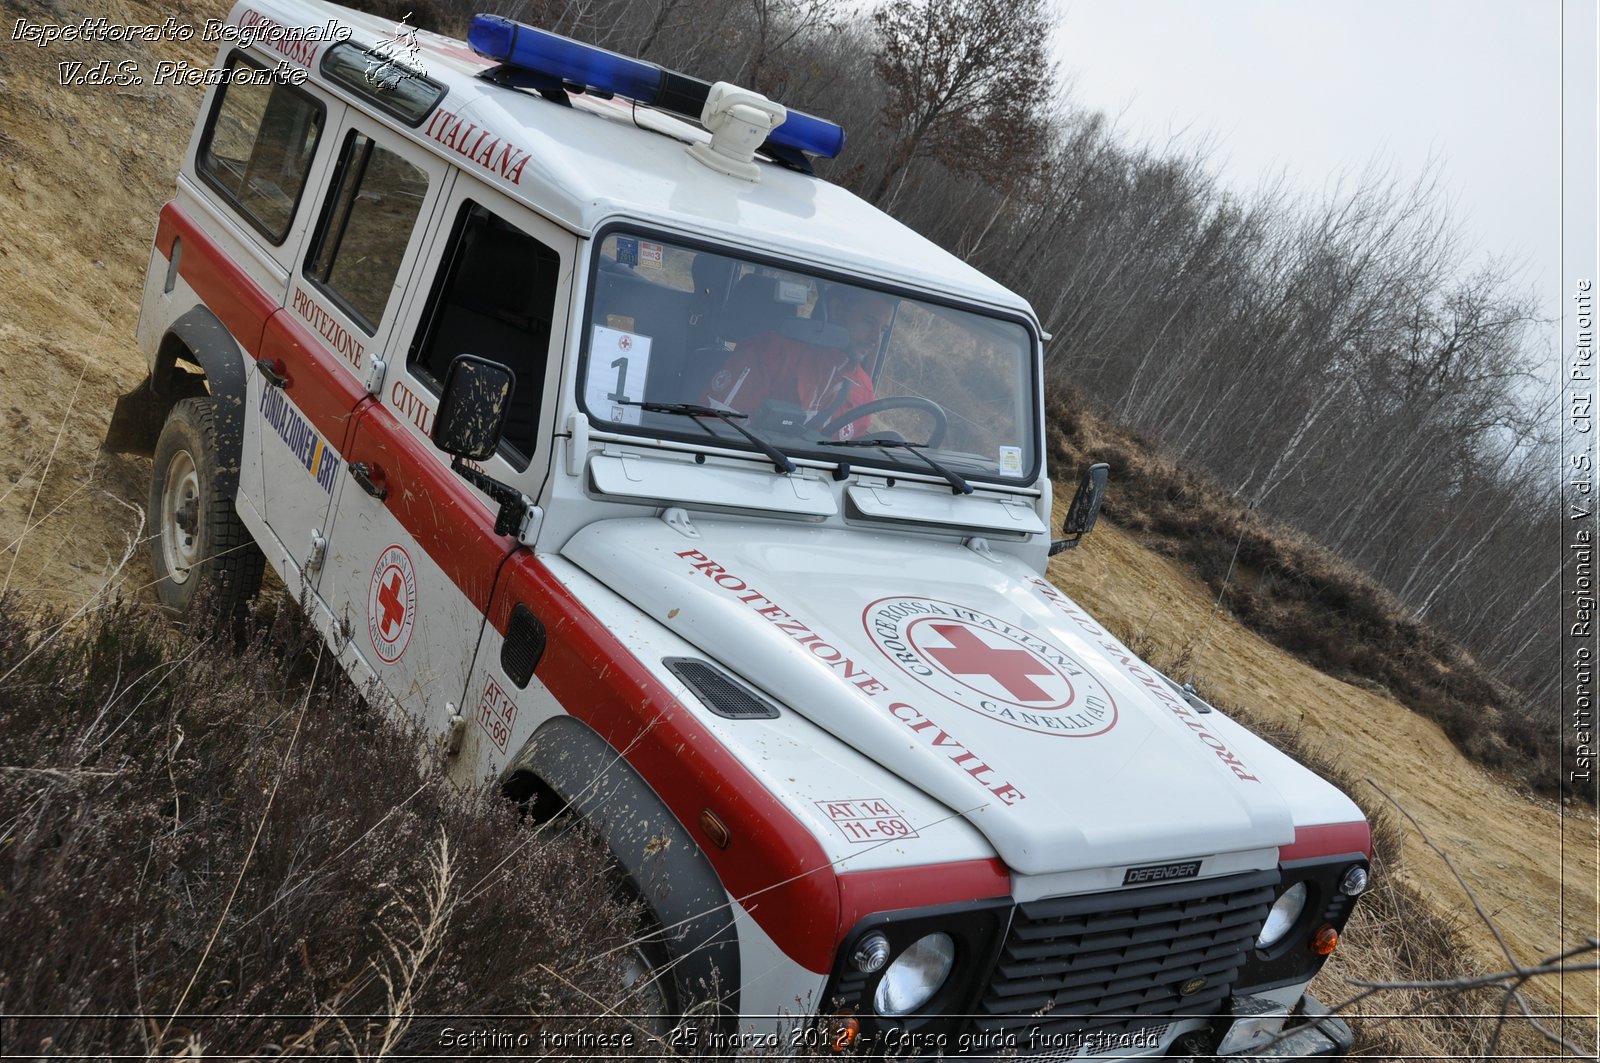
{"x":715,"y":829}
{"x":1325,"y":940}
{"x":843,"y":1031}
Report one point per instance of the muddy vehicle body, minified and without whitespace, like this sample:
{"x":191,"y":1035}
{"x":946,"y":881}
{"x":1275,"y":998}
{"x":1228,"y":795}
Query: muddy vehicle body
{"x":675,"y":485}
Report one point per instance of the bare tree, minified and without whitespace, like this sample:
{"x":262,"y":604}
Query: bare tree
{"x":967,"y":83}
{"x":777,"y":24}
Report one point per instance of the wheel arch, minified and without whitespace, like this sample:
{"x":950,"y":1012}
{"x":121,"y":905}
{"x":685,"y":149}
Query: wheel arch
{"x":199,"y":338}
{"x":663,"y":862}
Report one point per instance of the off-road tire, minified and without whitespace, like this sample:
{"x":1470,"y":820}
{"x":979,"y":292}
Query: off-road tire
{"x":198,"y":544}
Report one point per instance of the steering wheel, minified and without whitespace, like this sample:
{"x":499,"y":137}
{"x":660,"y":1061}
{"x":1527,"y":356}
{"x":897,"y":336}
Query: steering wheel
{"x":941,"y":423}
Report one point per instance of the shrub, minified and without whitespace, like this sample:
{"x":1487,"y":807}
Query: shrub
{"x":198,"y":852}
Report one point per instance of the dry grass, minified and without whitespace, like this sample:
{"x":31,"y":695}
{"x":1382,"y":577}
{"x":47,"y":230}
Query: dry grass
{"x":1302,"y":598}
{"x":208,"y":847}
{"x":1397,"y":935}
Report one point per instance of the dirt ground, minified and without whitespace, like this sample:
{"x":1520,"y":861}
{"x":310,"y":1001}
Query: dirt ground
{"x":83,"y":171}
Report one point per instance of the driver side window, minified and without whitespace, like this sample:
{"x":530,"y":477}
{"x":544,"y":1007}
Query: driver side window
{"x":495,"y":299}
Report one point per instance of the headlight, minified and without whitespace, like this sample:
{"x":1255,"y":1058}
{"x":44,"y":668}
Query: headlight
{"x":1285,"y":911}
{"x":915,"y":976}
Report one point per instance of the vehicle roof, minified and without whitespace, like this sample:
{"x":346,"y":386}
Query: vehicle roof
{"x":599,"y":161}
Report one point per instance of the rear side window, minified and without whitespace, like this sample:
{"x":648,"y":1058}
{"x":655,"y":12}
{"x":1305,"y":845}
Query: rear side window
{"x":366,"y":227}
{"x":258,"y":146}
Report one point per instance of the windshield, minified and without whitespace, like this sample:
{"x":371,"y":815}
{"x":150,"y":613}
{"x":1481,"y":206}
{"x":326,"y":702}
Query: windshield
{"x":808,"y":360}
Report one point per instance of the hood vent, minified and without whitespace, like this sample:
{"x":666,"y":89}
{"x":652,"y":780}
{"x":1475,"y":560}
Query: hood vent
{"x":722,"y":694}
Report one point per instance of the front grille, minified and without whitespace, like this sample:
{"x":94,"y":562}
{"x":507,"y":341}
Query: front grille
{"x":1115,"y":962}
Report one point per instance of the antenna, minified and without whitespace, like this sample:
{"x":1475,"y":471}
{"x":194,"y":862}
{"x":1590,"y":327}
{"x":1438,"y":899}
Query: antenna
{"x":1227,"y":579}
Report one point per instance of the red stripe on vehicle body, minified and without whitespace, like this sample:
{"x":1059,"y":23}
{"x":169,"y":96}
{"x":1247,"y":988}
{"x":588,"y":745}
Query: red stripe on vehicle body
{"x":774,"y":865}
{"x":326,"y":394}
{"x":861,"y":893}
{"x":789,"y":887}
{"x":1329,"y":839}
{"x":433,"y":504}
{"x":238,"y":301}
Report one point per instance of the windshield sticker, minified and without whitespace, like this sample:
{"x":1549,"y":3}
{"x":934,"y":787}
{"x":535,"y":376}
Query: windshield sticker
{"x":867,"y":819}
{"x":618,"y":363}
{"x":927,"y":729}
{"x":650,"y":254}
{"x":1010,"y":461}
{"x":990,"y":667}
{"x":627,"y":251}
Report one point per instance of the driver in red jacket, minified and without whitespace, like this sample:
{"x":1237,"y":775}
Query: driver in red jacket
{"x":822,"y":381}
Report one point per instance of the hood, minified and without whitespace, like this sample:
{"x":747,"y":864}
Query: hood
{"x":968,"y":676}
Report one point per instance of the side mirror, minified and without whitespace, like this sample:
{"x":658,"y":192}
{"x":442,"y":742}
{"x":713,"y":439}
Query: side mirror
{"x":472,"y":410}
{"x":1085,"y":508}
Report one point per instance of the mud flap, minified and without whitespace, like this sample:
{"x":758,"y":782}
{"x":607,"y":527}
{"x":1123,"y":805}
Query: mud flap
{"x":137,"y":418}
{"x":136,"y":422}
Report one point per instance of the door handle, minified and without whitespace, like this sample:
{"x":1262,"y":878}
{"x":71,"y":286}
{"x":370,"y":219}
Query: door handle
{"x":366,"y":476}
{"x":273,"y":371}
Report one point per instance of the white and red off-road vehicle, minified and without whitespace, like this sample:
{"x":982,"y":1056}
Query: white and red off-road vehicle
{"x":668,"y":481}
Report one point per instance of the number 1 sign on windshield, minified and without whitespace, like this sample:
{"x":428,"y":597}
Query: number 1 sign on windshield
{"x":618,"y":363}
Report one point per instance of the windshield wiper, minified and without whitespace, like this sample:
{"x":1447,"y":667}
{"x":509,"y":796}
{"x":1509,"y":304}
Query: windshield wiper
{"x":958,"y":486}
{"x":780,"y":460}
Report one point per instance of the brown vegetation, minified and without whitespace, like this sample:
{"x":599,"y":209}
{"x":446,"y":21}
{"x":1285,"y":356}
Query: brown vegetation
{"x":1417,"y":923}
{"x":1301,"y":597}
{"x":220,"y":850}
{"x":1395,"y":936}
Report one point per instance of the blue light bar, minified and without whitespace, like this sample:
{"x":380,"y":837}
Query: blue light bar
{"x":561,"y":57}
{"x":810,"y":134}
{"x":538,"y":51}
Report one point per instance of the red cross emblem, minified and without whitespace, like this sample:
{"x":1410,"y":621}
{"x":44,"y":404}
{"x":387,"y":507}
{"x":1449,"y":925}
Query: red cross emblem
{"x":394,"y":609}
{"x":391,"y":603}
{"x":968,"y":654}
{"x":1009,"y":672}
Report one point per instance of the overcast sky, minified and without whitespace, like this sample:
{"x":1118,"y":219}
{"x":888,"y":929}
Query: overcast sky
{"x":1313,"y":89}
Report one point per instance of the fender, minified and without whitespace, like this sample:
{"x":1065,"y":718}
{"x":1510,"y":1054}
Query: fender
{"x":213,"y":348}
{"x":200,"y":339}
{"x":660,"y":857}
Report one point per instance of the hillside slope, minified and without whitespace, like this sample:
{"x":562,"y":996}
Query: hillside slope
{"x":1526,"y":861}
{"x":83,"y":172}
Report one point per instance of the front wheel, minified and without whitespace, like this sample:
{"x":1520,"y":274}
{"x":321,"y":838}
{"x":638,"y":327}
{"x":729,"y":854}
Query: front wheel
{"x":199,"y":542}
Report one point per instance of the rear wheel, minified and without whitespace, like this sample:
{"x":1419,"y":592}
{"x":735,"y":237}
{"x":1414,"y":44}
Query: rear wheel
{"x":199,"y":542}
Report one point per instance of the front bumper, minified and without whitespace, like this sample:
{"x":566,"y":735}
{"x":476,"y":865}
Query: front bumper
{"x":1312,"y":1031}
{"x":1259,"y":1032}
